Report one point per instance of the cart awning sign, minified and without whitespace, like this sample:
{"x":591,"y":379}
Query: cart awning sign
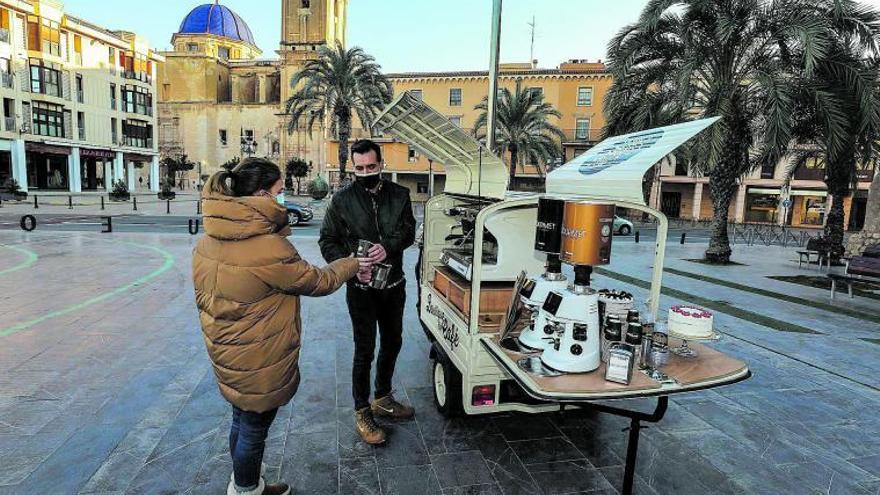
{"x":613,"y":169}
{"x":471,"y":169}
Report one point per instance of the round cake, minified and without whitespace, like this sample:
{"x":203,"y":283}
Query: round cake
{"x":690,"y":321}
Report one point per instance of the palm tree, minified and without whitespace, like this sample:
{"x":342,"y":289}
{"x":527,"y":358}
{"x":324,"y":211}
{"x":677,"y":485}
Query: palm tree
{"x":687,"y":59}
{"x":838,"y":105}
{"x":523,"y":128}
{"x":336,"y":85}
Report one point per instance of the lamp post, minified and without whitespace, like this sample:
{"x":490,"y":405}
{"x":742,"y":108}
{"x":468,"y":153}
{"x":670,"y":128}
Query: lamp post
{"x":248,"y":147}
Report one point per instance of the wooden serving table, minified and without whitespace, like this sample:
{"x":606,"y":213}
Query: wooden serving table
{"x":708,"y":369}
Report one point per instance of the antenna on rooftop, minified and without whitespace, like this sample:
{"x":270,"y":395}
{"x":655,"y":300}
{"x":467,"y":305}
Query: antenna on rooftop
{"x":532,"y":25}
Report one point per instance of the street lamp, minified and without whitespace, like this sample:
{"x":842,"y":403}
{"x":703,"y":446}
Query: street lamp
{"x":248,"y":147}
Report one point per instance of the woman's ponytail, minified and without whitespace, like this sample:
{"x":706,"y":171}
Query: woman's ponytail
{"x":221,"y":182}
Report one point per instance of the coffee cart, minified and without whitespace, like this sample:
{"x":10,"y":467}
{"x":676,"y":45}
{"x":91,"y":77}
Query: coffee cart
{"x":478,"y":239}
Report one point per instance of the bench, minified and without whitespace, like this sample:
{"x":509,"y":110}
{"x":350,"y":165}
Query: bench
{"x":813,"y":248}
{"x":858,"y":269}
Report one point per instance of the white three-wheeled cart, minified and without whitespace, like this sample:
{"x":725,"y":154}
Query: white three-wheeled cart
{"x":478,"y":238}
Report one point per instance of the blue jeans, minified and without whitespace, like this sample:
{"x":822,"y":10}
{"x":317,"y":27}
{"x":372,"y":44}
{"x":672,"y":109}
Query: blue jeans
{"x":247,"y":440}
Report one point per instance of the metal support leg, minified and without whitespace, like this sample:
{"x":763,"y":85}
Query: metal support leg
{"x":632,"y":450}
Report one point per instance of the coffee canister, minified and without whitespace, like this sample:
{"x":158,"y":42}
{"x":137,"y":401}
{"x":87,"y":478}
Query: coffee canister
{"x":380,"y":275}
{"x":586,"y":233}
{"x":548,"y":231}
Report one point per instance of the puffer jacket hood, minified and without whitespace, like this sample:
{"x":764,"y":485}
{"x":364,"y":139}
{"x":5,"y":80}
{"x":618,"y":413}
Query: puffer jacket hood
{"x":243,"y":217}
{"x":248,"y":278}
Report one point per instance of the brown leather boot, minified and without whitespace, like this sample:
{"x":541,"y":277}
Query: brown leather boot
{"x":366,"y":426}
{"x":390,"y":408}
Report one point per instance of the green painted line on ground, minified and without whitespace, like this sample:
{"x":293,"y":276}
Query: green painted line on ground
{"x":30,"y":258}
{"x":724,"y":307}
{"x":861,"y":315}
{"x":166,"y":265}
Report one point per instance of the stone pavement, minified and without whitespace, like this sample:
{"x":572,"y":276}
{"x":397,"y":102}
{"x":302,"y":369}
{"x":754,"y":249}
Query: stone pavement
{"x":106,"y":388}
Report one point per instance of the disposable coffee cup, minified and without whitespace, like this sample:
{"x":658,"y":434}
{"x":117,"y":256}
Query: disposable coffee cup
{"x":380,"y":275}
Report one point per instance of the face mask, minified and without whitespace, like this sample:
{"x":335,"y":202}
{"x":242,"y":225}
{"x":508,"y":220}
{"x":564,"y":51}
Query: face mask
{"x":280,"y":199}
{"x":369,"y":181}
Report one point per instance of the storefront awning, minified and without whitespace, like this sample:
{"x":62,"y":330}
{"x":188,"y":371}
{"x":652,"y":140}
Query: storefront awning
{"x":46,"y":148}
{"x":794,"y":192}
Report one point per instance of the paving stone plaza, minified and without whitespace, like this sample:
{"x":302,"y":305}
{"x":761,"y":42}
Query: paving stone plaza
{"x":106,"y":388}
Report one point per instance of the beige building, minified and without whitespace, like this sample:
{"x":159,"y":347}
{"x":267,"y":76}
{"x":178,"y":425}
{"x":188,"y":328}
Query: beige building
{"x":78,"y":102}
{"x":576,"y":89}
{"x":219,"y":100}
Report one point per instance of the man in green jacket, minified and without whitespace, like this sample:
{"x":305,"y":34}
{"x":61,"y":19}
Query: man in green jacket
{"x":380,"y":212}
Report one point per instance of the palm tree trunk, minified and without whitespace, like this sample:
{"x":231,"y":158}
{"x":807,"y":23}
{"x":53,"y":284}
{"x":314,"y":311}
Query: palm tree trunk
{"x":834,"y":222}
{"x":514,"y":156}
{"x":722,"y":184}
{"x":872,"y":215}
{"x":344,"y":132}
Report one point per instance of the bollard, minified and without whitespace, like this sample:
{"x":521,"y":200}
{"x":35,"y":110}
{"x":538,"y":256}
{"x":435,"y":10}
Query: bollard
{"x":168,"y":207}
{"x":28,"y":223}
{"x":683,"y":236}
{"x":135,"y":202}
{"x":637,"y":237}
{"x":102,"y":203}
{"x":36,"y":205}
{"x":198,"y":207}
{"x":69,"y":202}
{"x":193,"y":226}
{"x":108,"y":225}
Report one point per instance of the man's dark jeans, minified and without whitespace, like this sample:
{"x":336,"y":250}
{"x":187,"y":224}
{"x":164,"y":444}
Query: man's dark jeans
{"x":369,"y":308}
{"x":247,"y":440}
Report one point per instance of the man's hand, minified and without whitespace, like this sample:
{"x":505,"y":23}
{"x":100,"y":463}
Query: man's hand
{"x":377,"y":253}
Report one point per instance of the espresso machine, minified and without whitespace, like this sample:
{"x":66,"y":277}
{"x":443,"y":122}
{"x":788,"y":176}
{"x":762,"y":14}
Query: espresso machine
{"x":573,"y":314}
{"x":547,"y":240}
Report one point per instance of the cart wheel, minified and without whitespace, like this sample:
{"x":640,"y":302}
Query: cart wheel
{"x":447,"y":387}
{"x":625,"y":230}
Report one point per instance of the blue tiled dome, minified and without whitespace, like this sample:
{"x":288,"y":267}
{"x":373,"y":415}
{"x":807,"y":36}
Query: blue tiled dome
{"x":216,"y":19}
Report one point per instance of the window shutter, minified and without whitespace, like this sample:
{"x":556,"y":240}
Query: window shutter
{"x":65,"y":84}
{"x":68,"y":124}
{"x":27,"y":118}
{"x":65,"y":55}
{"x":24,"y":77}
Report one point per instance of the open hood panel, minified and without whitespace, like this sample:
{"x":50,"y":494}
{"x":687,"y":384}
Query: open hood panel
{"x":613,"y":169}
{"x":471,"y":169}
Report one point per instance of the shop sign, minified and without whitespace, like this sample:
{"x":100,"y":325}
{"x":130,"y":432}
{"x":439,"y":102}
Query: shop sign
{"x":92,"y":153}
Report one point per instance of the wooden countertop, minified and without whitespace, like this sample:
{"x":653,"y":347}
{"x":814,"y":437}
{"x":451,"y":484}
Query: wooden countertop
{"x":710,"y":368}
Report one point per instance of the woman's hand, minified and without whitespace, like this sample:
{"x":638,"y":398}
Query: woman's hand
{"x":365,"y":271}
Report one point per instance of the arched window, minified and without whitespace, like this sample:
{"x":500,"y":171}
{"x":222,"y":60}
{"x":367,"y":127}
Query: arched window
{"x":305,"y":4}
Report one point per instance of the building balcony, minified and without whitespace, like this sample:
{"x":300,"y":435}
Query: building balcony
{"x":138,"y":142}
{"x":7,"y":80}
{"x":138,"y":76}
{"x":9,"y":124}
{"x":582,"y":136}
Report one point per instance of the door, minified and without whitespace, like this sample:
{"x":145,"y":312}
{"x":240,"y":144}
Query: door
{"x":857,"y":214}
{"x":670,"y":204}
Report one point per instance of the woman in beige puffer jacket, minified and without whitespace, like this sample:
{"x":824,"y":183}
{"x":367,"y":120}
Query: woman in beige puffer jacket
{"x":248,"y":278}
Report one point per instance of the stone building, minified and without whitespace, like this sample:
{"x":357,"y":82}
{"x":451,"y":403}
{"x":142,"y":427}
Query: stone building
{"x":218,"y":99}
{"x":78,"y":102}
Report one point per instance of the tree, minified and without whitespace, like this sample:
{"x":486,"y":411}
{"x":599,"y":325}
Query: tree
{"x":231,"y":164}
{"x":176,"y":167}
{"x":338,"y":84}
{"x":298,"y":169}
{"x":872,"y":213}
{"x":838,"y":105}
{"x":686,"y":59}
{"x":523,"y":128}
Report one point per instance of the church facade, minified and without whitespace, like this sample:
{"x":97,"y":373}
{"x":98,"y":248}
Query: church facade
{"x":219,"y":98}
